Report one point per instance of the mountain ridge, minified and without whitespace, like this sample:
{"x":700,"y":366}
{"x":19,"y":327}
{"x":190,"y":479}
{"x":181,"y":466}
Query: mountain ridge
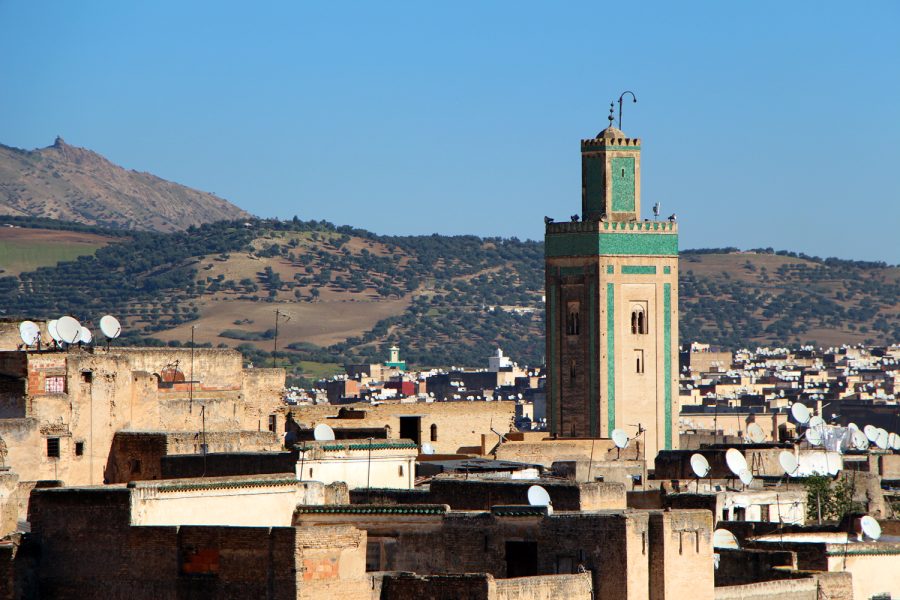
{"x":76,"y":184}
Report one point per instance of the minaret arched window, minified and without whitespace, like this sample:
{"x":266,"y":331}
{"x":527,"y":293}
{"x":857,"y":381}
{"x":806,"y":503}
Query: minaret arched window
{"x":573,"y":318}
{"x":434,"y":432}
{"x":639,"y":321}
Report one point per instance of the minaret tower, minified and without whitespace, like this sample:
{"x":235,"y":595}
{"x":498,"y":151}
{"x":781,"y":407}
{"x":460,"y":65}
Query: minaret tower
{"x":612,"y":306}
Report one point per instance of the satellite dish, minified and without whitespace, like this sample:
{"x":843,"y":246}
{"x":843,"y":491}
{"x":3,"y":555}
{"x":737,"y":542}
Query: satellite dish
{"x":894,"y":441}
{"x":29,"y":332}
{"x":852,"y":426}
{"x":860,"y":441}
{"x":736,"y":461}
{"x":870,"y":527}
{"x":755,"y":433}
{"x":800,"y":412}
{"x":110,"y":326}
{"x":788,"y":463}
{"x":323,"y":433}
{"x":722,"y":538}
{"x":746,"y":477}
{"x":51,"y":329}
{"x":882,"y":439}
{"x":85,"y":337}
{"x":871,"y":432}
{"x":814,"y":437}
{"x":699,"y":465}
{"x":620,"y":438}
{"x":69,"y":329}
{"x":538,"y":496}
{"x":815,"y":421}
{"x":427,"y":449}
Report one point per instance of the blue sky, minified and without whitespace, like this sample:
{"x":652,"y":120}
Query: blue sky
{"x":763,"y":124}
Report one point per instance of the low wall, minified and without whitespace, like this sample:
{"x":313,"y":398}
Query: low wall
{"x":789,"y":589}
{"x":483,"y":586}
{"x":546,"y":587}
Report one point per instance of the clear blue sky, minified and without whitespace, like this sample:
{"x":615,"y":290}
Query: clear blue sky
{"x":763,"y":124}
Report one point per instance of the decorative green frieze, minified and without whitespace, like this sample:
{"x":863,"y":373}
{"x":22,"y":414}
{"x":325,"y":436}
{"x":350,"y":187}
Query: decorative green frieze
{"x":610,"y":243}
{"x":594,"y":184}
{"x":667,"y":360}
{"x":638,"y":270}
{"x":622,"y":168}
{"x":610,"y":356}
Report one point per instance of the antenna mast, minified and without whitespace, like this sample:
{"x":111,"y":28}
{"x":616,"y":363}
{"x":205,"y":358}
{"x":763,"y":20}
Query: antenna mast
{"x":620,"y":104}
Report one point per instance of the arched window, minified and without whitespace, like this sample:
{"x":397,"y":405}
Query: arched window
{"x":573,"y":318}
{"x":433,"y":432}
{"x":573,"y":370}
{"x":639,"y":320}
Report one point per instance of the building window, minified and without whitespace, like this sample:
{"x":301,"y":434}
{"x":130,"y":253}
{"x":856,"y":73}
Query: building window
{"x":573,"y":370}
{"x":740,"y":513}
{"x":135,"y":466}
{"x":573,"y":318}
{"x":639,"y":321}
{"x":273,"y":423}
{"x":400,"y":471}
{"x":764,"y":513}
{"x":55,"y":384}
{"x":638,"y":361}
{"x":53,"y":447}
{"x":433,"y":432}
{"x":79,"y":448}
{"x":87,"y":377}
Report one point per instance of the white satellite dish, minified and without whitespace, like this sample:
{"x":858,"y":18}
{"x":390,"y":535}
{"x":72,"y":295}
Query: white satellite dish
{"x":860,"y":441}
{"x":323,"y":433}
{"x":882,"y":439}
{"x":871,"y":432}
{"x":69,"y":329}
{"x":29,"y":332}
{"x":814,"y":436}
{"x":894,"y":441}
{"x":85,"y":337}
{"x":870,"y":527}
{"x":755,"y":433}
{"x":699,"y":465}
{"x":853,"y":426}
{"x":746,"y":477}
{"x":800,"y":412}
{"x":788,"y":463}
{"x":110,"y":326}
{"x":815,"y":421}
{"x":427,"y":449}
{"x":620,"y":438}
{"x":538,"y":496}
{"x":722,"y":538}
{"x":51,"y":329}
{"x":736,"y":461}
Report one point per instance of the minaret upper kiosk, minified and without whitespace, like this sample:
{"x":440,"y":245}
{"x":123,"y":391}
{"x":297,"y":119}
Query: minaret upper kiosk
{"x":612,"y":306}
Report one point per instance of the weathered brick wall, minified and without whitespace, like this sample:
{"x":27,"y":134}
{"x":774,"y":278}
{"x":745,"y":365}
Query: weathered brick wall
{"x":134,"y":456}
{"x":408,"y":586}
{"x":787,"y":589}
{"x":482,"y":494}
{"x":546,"y":587}
{"x":222,"y":464}
{"x":460,"y":425}
{"x":549,"y":451}
{"x":740,"y":567}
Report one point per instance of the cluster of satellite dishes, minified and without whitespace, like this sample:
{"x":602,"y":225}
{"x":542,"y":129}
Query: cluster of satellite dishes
{"x":840,"y":439}
{"x":67,"y":330}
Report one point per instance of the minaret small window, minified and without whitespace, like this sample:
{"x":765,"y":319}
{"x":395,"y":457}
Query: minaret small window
{"x":573,"y":318}
{"x":638,"y":361}
{"x":639,"y":321}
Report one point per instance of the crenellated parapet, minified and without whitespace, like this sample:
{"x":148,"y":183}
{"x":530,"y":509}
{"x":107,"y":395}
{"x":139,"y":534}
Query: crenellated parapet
{"x":603,"y":144}
{"x":600,"y":226}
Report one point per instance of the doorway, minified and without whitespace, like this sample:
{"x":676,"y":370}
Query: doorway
{"x":521,"y":559}
{"x":411,"y":429}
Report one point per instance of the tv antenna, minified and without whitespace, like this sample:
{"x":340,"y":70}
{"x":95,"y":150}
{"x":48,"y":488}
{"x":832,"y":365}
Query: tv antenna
{"x":620,"y":439}
{"x":427,"y":449}
{"x":278,"y":314}
{"x":656,"y":211}
{"x":538,"y":496}
{"x":870,"y":528}
{"x":755,"y":433}
{"x":634,"y":100}
{"x":110,"y":327}
{"x":736,"y":462}
{"x":788,"y":462}
{"x":69,"y":329}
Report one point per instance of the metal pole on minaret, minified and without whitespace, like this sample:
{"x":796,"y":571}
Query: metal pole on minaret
{"x":620,"y":105}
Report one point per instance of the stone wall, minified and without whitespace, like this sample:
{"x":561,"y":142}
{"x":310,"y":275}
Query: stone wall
{"x":482,"y":494}
{"x":548,"y":451}
{"x":546,"y":587}
{"x":481,"y":586}
{"x":220,"y":464}
{"x":681,"y":562}
{"x":459,"y":425}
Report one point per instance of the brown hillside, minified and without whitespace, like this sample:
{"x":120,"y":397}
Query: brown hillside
{"x":74,"y":184}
